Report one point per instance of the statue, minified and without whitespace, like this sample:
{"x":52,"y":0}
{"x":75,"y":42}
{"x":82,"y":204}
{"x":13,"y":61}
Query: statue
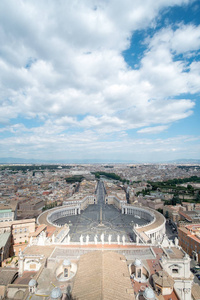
{"x":109,"y":238}
{"x":42,"y":239}
{"x":20,"y":253}
{"x":176,"y":241}
{"x":87,"y":239}
{"x":81,"y":239}
{"x":95,"y":239}
{"x":102,"y":238}
{"x":68,"y":239}
{"x":123,"y":239}
{"x":53,"y":239}
{"x":118,"y":239}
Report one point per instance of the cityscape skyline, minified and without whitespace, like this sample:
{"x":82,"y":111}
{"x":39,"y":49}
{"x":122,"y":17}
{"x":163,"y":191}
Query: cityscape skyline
{"x":100,"y":81}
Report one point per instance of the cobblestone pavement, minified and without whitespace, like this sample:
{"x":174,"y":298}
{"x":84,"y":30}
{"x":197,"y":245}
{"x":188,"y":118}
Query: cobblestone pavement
{"x":89,"y":221}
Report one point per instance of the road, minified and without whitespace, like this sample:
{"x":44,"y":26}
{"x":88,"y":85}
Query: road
{"x":169,"y":232}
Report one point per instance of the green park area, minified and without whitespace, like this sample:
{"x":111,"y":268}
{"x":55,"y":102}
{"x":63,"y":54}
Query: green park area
{"x":112,"y":176}
{"x":182,"y":189}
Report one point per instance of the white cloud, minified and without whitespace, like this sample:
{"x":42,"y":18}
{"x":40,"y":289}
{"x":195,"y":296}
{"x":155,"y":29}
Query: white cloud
{"x":63,"y":63}
{"x":185,"y":38}
{"x":153,"y":130}
{"x":88,"y":145}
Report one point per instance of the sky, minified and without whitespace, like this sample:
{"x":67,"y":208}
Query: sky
{"x":100,"y":80}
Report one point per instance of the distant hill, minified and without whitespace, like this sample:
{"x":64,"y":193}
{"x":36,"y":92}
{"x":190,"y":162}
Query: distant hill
{"x":185,"y":161}
{"x":13,"y":160}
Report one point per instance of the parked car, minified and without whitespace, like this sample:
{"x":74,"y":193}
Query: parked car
{"x":198,"y":276}
{"x":193,"y":270}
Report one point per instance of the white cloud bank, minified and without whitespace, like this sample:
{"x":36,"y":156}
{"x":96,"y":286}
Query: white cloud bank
{"x":61,"y":62}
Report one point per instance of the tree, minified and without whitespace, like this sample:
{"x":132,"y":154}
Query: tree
{"x":167,"y":214}
{"x":160,"y":210}
{"x":197,"y":197}
{"x":189,"y":187}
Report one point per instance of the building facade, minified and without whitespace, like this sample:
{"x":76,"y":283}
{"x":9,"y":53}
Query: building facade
{"x":189,"y":240}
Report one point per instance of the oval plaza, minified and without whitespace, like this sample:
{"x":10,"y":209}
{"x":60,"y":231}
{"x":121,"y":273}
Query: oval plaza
{"x":103,"y":218}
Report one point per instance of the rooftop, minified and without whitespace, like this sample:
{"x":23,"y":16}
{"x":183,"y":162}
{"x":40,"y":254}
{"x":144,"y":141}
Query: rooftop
{"x":7,"y":275}
{"x":109,"y":276}
{"x":175,"y":253}
{"x":4,"y":238}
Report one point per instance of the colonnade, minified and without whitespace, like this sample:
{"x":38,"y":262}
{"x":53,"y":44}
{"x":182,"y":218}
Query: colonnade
{"x":151,"y":233}
{"x":63,"y":212}
{"x":138,"y":212}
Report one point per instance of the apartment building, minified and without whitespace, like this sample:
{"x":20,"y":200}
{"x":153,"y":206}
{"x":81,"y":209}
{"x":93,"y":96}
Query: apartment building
{"x":20,"y":229}
{"x":8,"y":211}
{"x":173,"y":212}
{"x":189,"y":240}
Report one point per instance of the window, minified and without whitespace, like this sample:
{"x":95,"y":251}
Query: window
{"x":174,"y":271}
{"x":65,"y":272}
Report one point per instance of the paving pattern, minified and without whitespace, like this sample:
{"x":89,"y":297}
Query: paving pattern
{"x":89,"y":222}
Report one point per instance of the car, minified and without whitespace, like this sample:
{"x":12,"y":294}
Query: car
{"x":193,"y":270}
{"x":198,"y":276}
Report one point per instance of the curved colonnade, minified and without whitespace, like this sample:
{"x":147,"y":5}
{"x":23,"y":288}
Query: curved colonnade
{"x":155,"y":227}
{"x":152,"y":231}
{"x":50,"y":216}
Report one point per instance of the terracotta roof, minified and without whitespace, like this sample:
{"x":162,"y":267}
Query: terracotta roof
{"x":25,"y":278}
{"x":163,"y":279}
{"x":194,"y":237}
{"x":39,"y":250}
{"x":39,"y":230}
{"x":102,"y":276}
{"x":185,"y":216}
{"x":193,"y":227}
